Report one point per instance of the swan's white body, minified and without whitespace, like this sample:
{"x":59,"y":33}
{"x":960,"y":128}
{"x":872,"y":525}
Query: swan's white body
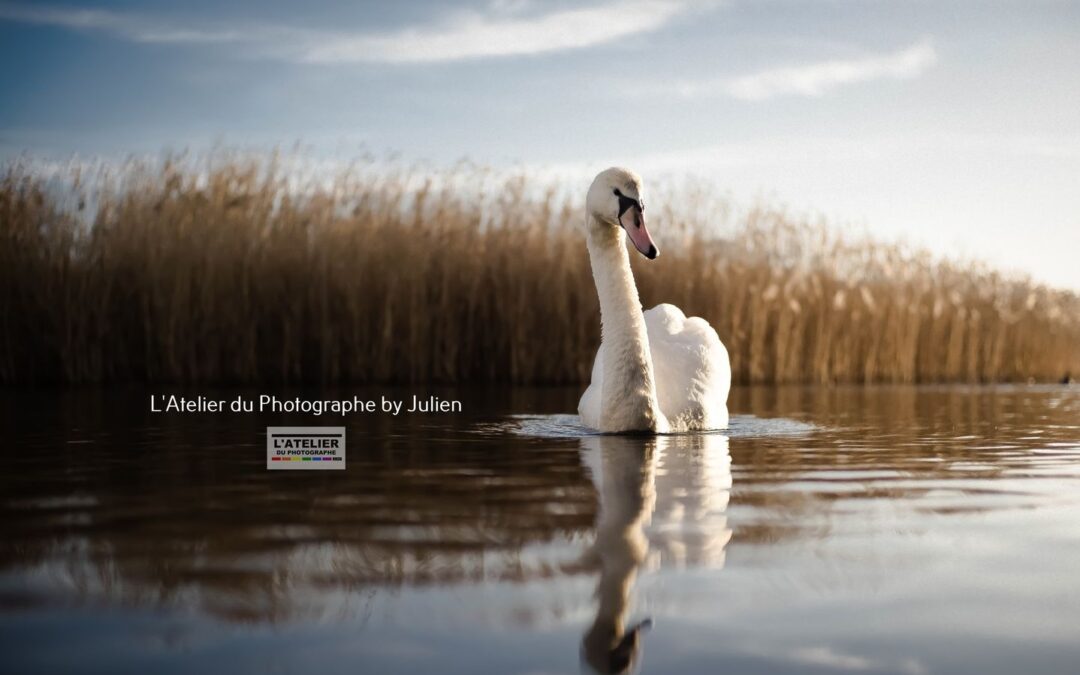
{"x":691,"y":371}
{"x":658,"y":370}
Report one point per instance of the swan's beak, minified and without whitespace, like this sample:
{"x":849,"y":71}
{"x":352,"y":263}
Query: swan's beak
{"x":633,"y":221}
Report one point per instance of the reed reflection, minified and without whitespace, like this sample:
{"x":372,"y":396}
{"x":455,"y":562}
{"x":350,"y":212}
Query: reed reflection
{"x":178,"y":513}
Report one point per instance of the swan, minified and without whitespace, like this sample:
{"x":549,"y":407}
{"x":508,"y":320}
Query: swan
{"x":661,"y":502}
{"x":624,"y":473}
{"x":655,"y":371}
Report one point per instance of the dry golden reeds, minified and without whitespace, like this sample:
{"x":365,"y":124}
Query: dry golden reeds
{"x":236,"y":272}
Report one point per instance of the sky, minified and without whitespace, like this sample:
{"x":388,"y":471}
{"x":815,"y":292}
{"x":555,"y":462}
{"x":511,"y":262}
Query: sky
{"x":952,"y":124}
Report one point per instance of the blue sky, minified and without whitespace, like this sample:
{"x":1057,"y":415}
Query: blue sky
{"x":950,"y":124}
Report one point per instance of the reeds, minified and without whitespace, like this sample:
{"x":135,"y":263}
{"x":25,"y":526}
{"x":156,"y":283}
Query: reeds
{"x":236,"y":271}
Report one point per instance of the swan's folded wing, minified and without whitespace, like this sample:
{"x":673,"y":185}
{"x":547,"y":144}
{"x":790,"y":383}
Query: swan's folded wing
{"x":691,"y":367}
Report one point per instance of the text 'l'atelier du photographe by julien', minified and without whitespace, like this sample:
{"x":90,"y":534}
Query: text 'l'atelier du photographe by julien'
{"x":272,"y":404}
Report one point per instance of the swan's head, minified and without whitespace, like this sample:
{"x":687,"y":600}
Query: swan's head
{"x":615,"y":200}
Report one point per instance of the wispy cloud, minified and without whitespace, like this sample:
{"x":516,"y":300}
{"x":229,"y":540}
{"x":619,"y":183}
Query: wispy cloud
{"x":504,"y":29}
{"x":478,"y":35}
{"x":827,"y":657}
{"x":819,"y":78}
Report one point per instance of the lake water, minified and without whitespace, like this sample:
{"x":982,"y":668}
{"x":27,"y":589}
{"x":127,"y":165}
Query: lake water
{"x":866,"y":530}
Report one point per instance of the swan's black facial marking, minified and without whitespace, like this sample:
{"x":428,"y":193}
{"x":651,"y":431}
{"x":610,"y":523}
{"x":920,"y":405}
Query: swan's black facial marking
{"x":625,"y":203}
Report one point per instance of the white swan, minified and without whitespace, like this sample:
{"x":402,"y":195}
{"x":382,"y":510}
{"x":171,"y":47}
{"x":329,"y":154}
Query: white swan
{"x":661,"y":503}
{"x":658,"y":370}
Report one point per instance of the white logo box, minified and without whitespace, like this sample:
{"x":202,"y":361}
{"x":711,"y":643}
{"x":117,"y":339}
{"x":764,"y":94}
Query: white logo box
{"x":305,"y":448}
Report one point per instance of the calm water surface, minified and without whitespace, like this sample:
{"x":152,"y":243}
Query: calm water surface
{"x":879,"y":530}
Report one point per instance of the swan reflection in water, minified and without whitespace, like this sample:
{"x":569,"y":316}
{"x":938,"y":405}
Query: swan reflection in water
{"x":662,"y":504}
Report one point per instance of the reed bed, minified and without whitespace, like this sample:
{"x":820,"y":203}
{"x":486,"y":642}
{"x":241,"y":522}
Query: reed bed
{"x":235,"y":270}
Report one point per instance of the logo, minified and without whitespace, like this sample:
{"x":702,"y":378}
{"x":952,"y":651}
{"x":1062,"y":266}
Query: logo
{"x":305,"y":448}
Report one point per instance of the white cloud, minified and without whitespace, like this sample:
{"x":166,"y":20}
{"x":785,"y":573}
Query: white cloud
{"x":827,"y":657}
{"x":502,"y":30}
{"x":816,"y":79}
{"x":480,"y":35}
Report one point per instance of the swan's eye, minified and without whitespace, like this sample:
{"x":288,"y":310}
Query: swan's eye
{"x":616,"y":192}
{"x":625,"y":203}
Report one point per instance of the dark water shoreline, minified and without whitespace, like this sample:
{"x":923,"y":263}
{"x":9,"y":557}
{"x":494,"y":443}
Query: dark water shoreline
{"x":880,"y":529}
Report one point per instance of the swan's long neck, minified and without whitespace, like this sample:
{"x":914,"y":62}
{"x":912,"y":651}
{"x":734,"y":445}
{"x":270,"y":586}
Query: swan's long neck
{"x":626,"y":485}
{"x":628,"y":397}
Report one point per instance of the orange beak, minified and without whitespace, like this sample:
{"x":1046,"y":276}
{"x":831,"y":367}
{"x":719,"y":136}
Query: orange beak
{"x":633,"y":221}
